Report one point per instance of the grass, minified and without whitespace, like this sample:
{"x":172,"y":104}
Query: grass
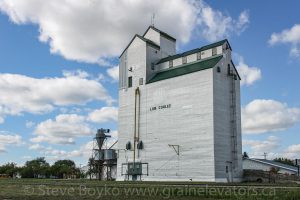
{"x":31,"y":189}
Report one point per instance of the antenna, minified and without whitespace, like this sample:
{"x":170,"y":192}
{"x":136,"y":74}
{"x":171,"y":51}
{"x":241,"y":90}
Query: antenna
{"x":152,"y":19}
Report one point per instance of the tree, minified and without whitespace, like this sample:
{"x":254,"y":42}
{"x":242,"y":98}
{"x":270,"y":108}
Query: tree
{"x":10,"y":169}
{"x":36,"y":168}
{"x":92,"y":167}
{"x":285,"y":161}
{"x":63,"y":168}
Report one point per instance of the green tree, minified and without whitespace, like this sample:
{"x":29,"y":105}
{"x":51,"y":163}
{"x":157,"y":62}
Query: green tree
{"x":285,"y":161}
{"x":63,"y":168}
{"x":10,"y":169}
{"x":92,"y":167}
{"x":35,"y":168}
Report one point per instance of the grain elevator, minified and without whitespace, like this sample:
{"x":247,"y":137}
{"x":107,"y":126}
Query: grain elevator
{"x":179,"y":114}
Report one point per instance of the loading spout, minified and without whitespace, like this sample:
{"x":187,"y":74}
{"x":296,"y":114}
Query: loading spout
{"x":136,"y":121}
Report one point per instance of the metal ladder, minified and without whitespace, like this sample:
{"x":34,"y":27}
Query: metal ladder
{"x":233,"y":120}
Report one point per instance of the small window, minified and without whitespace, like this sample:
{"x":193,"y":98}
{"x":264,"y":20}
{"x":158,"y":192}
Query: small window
{"x":141,"y":81}
{"x":226,"y":169}
{"x":199,"y":56}
{"x":235,"y":77}
{"x":130,"y":81}
{"x":218,"y":69}
{"x":228,"y":69}
{"x":184,"y":60}
{"x":140,"y":145}
{"x":214,"y":51}
{"x":128,"y":145}
{"x":170,"y":63}
{"x":152,"y":66}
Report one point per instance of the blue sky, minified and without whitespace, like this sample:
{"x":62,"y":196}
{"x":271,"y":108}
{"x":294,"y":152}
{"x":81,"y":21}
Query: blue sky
{"x":59,"y":65}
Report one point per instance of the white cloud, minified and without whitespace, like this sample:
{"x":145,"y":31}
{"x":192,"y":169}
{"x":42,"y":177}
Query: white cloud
{"x":19,"y":93}
{"x":288,"y":36}
{"x":7,"y":140}
{"x":214,"y":25}
{"x":63,"y":130}
{"x":91,"y":31}
{"x":29,"y":124}
{"x":248,"y":74}
{"x":261,"y":116}
{"x":294,"y":148}
{"x":52,"y":154}
{"x":104,"y":114}
{"x":260,"y":147}
{"x":26,"y":157}
{"x":85,"y":150}
{"x":77,"y":73}
{"x":113,"y":72}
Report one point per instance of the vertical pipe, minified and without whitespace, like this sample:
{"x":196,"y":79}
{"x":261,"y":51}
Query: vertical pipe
{"x":136,"y":122}
{"x":138,"y":118}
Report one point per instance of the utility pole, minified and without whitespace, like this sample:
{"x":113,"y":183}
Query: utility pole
{"x":298,"y":165}
{"x":265,"y":155}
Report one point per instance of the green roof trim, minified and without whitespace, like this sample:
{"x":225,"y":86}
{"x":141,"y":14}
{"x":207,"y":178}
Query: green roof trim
{"x":149,"y":42}
{"x":216,"y":44}
{"x":186,"y":69}
{"x":236,"y":71}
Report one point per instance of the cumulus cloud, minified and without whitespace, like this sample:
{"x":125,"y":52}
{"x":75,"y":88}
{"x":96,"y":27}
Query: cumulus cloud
{"x":63,"y":130}
{"x":259,"y":147}
{"x":52,"y":154}
{"x":85,"y":150}
{"x":113,"y":73}
{"x":7,"y":140}
{"x":91,"y":31}
{"x":214,"y":25}
{"x":260,"y":116}
{"x":104,"y":114}
{"x":249,"y":75}
{"x":288,"y":36}
{"x":19,"y":93}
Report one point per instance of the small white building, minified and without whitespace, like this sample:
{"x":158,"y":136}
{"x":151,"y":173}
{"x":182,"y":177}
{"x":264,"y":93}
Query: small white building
{"x":179,"y":114}
{"x":267,"y":165}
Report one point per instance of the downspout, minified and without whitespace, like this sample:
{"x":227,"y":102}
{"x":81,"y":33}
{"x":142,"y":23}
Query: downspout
{"x":136,"y":121}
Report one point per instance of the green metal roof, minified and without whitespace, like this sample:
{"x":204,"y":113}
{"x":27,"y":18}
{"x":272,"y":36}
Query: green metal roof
{"x":186,"y":69}
{"x":216,"y":44}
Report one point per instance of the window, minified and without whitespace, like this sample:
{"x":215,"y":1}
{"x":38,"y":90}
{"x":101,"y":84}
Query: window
{"x":228,"y":69}
{"x":130,"y":81}
{"x":199,"y":56}
{"x":152,"y":66}
{"x":226,"y":169}
{"x":218,"y":69}
{"x":170,"y":63}
{"x":214,"y":51}
{"x":141,"y":81}
{"x":128,"y":145}
{"x":184,"y":60}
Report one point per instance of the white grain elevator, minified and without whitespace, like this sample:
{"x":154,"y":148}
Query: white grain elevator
{"x":179,"y":114}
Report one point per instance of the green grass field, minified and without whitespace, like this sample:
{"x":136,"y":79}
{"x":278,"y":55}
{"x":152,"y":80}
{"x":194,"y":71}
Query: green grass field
{"x":24,"y":189}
